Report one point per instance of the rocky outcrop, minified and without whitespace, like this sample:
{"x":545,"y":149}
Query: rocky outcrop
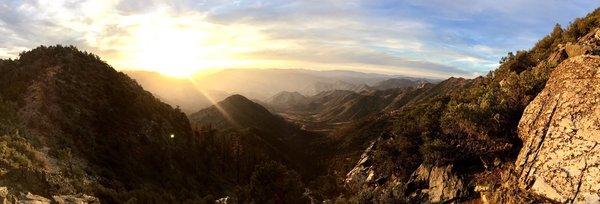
{"x":3,"y":195}
{"x":372,"y":185}
{"x":588,"y":44}
{"x":426,"y":184}
{"x":6,"y":197}
{"x":437,"y":184}
{"x":560,"y":129}
{"x":76,"y":199}
{"x":363,"y":171}
{"x":30,"y":198}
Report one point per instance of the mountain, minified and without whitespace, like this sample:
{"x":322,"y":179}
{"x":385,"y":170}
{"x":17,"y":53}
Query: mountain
{"x":74,"y":129}
{"x":329,"y":109}
{"x":184,"y":93}
{"x":286,"y":100}
{"x":72,"y":124}
{"x":261,"y":135}
{"x":238,"y":111}
{"x":397,"y":83}
{"x":501,"y":138}
{"x":198,"y":92}
{"x":264,"y":83}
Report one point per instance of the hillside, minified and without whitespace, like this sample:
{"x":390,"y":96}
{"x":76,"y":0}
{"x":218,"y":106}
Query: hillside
{"x":78,"y":126}
{"x":467,"y":134}
{"x":260,"y":135}
{"x":286,"y":100}
{"x":397,"y":83}
{"x":330,"y":109}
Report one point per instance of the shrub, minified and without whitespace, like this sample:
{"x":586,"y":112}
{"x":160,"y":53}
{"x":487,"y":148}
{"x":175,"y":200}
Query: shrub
{"x":272,"y":182}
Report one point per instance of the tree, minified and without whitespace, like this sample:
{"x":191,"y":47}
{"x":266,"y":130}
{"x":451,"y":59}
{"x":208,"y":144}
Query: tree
{"x":272,"y":182}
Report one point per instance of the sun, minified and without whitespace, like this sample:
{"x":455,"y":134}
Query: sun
{"x":166,"y":45}
{"x":185,"y":45}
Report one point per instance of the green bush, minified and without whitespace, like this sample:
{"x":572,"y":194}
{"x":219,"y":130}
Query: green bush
{"x":17,"y":153}
{"x":272,"y":182}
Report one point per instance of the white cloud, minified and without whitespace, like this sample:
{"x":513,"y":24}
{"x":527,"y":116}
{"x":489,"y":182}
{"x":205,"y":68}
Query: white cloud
{"x":457,"y":39}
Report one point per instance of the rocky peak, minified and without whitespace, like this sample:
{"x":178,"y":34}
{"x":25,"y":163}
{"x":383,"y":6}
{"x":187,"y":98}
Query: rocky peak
{"x":560,"y":158}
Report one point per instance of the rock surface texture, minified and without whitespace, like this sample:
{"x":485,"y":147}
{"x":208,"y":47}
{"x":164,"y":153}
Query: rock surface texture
{"x":6,"y":197}
{"x":437,"y":184}
{"x":560,"y":129}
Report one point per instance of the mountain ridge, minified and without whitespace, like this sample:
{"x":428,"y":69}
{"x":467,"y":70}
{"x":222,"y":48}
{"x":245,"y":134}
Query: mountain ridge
{"x":74,"y":107}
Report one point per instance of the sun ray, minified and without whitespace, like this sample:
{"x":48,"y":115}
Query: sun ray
{"x":213,"y":101}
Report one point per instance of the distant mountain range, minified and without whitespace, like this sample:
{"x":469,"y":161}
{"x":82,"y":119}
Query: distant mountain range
{"x":192,"y":94}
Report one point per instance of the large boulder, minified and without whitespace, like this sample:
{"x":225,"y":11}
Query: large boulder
{"x":588,"y":44}
{"x":437,"y":184}
{"x":574,"y":50}
{"x":560,"y":129}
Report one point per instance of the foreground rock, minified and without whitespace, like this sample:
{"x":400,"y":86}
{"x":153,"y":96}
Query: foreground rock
{"x":437,"y":184}
{"x":426,"y":184}
{"x":560,"y":158}
{"x":6,"y":197}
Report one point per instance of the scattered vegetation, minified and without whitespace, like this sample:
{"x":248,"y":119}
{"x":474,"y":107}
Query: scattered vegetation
{"x":467,"y":123}
{"x":274,"y":183}
{"x":100,"y":116}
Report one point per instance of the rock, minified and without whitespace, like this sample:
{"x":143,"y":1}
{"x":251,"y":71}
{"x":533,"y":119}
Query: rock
{"x":76,"y":199}
{"x":558,"y":56}
{"x":497,"y":162}
{"x":574,"y":50}
{"x":361,"y":173}
{"x":32,"y":199}
{"x":3,"y":195}
{"x":560,"y":129}
{"x":444,"y":185}
{"x":224,"y":200}
{"x":3,"y":192}
{"x":482,"y":188}
{"x":421,"y":175}
{"x":437,"y":184}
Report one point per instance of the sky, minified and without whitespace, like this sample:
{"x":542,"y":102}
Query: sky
{"x":415,"y":38}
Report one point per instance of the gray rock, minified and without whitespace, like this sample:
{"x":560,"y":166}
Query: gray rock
{"x":558,"y":56}
{"x":574,"y":50}
{"x":560,"y":129}
{"x":363,"y":172}
{"x":438,"y":184}
{"x":76,"y":199}
{"x":30,"y":198}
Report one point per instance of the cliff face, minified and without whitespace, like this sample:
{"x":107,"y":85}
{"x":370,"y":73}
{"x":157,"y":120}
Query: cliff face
{"x":560,"y":158}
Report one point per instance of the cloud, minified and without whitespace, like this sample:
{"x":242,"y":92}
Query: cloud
{"x":433,"y":38}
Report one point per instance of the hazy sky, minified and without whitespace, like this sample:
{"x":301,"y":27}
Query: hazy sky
{"x":419,"y":38}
